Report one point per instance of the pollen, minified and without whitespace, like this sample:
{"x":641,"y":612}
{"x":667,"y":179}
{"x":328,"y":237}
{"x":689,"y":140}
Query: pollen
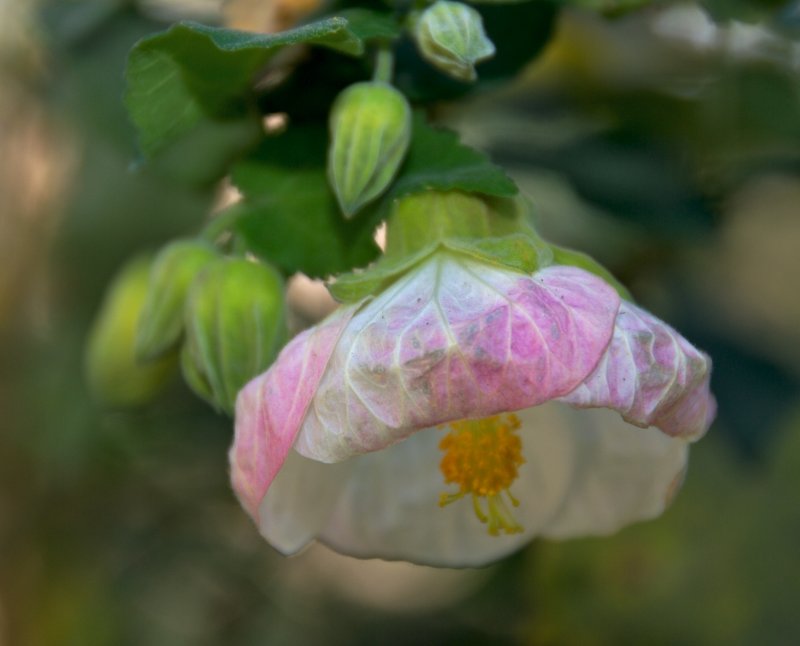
{"x":482,"y":457}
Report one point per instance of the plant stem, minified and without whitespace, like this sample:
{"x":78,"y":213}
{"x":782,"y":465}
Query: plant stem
{"x":384,"y":65}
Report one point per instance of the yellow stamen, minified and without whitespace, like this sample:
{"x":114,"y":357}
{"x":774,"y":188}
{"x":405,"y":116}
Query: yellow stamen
{"x":482,"y":457}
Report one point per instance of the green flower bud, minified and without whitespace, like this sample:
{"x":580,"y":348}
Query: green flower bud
{"x":450,"y":35}
{"x":114,"y":376}
{"x":234,"y":328}
{"x":370,"y":133}
{"x":175,"y":266}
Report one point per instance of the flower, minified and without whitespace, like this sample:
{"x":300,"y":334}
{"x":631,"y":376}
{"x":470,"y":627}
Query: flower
{"x":464,"y":393}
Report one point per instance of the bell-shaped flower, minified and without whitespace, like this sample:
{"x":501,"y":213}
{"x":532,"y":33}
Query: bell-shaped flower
{"x":461,"y":409}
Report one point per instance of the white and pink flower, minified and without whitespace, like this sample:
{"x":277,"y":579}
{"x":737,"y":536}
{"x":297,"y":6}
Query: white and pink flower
{"x":342,"y":439}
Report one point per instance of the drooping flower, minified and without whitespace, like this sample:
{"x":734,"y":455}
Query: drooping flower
{"x":466,"y":396}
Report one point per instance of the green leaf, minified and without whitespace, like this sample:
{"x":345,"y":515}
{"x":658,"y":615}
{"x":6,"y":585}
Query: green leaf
{"x":438,"y":161}
{"x":371,"y":25}
{"x":193,"y":74}
{"x":289,"y":215}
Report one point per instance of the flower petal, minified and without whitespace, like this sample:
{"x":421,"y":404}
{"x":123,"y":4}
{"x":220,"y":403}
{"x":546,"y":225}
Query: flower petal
{"x":299,"y":501}
{"x":586,"y":472}
{"x":454,"y":339}
{"x":651,"y":375}
{"x":390,"y":507}
{"x":623,"y":473}
{"x":270,"y":409}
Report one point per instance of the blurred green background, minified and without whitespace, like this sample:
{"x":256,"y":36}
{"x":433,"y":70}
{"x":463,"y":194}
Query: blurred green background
{"x":665,"y":141}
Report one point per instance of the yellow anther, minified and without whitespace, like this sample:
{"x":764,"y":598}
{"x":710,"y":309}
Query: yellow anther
{"x":482,"y":457}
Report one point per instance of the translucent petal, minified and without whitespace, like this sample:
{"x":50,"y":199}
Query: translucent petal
{"x":390,"y":507}
{"x":299,"y":501}
{"x":586,"y":472}
{"x":622,"y":474}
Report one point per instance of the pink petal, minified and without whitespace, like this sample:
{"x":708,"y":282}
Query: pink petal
{"x":652,"y":376}
{"x":453,"y":339}
{"x":271,"y":408}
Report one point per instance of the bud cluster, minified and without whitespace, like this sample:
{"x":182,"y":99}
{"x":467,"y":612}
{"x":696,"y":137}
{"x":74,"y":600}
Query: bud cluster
{"x":224,"y":317}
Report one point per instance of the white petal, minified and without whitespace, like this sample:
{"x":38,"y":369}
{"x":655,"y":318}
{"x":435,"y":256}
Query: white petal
{"x":299,"y":501}
{"x":390,"y":508}
{"x":623,"y":473}
{"x":587,"y":472}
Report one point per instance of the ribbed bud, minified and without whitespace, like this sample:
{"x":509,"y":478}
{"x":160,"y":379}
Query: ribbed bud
{"x":370,"y":132}
{"x":235,"y":325}
{"x":114,"y":375}
{"x":174,"y":268}
{"x":450,"y":35}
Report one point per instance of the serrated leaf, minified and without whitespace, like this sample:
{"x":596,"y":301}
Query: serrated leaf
{"x":438,"y":161}
{"x":289,"y":214}
{"x":367,"y":24}
{"x":297,"y":226}
{"x":193,"y":73}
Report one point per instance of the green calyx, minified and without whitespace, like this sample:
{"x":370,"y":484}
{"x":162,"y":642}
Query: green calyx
{"x":495,"y":231}
{"x":235,"y":326}
{"x":173,"y":270}
{"x":370,"y":133}
{"x":491,"y":230}
{"x":451,"y":37}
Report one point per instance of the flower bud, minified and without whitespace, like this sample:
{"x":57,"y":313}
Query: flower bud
{"x":114,"y":376}
{"x":235,"y":325}
{"x":370,"y":133}
{"x":174,"y":268}
{"x":450,"y":36}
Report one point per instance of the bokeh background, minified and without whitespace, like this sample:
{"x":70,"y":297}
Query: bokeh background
{"x":664,"y":140}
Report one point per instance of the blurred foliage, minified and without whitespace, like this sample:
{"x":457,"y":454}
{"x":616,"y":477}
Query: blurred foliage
{"x":120,"y":527}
